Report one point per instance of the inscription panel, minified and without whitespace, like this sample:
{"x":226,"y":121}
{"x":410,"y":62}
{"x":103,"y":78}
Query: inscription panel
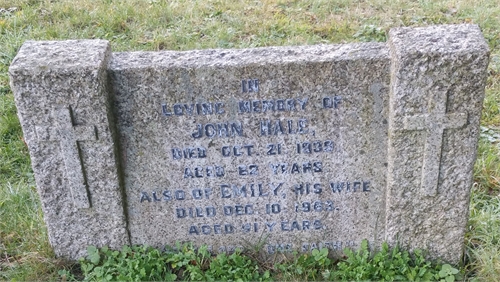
{"x":248,"y":146}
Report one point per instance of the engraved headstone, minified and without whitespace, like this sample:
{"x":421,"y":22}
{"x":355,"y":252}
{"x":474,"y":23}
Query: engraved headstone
{"x":294,"y":148}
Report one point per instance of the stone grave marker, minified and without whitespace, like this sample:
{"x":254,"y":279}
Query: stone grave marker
{"x":295,"y":148}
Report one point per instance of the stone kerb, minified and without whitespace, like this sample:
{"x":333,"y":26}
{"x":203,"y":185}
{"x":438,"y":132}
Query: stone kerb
{"x":382,"y":136}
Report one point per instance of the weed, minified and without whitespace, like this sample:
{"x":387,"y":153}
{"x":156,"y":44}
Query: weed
{"x":141,"y":263}
{"x":389,"y":265}
{"x":309,"y":266}
{"x":447,"y":273}
{"x":137,"y":263}
{"x":187,"y":263}
{"x":370,"y":33}
{"x":235,"y":267}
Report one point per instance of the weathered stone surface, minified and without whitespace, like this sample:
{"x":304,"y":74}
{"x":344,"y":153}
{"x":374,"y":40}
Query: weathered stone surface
{"x":62,"y":100}
{"x":293,"y":147}
{"x":350,"y":138}
{"x":438,"y":77}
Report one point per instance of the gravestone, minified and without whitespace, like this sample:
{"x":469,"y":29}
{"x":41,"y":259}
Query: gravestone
{"x":291,"y":148}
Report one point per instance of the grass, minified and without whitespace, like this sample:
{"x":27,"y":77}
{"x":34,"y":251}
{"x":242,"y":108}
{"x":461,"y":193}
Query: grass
{"x":194,"y":24}
{"x":484,"y":241}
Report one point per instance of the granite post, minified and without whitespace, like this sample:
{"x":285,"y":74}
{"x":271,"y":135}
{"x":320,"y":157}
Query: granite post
{"x":62,"y":98}
{"x":438,"y":76}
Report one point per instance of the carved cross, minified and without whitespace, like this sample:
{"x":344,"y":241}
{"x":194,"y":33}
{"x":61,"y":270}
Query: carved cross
{"x":434,"y":123}
{"x":68,"y":136}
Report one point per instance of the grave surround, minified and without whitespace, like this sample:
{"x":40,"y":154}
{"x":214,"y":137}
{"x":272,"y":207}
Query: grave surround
{"x":293,"y":147}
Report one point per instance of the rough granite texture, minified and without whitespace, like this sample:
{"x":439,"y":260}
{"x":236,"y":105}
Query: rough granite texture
{"x":357,"y":73}
{"x":438,"y":76}
{"x":61,"y":96}
{"x":293,"y":147}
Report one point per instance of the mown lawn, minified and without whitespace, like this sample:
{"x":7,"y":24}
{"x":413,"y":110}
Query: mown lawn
{"x":193,"y":24}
